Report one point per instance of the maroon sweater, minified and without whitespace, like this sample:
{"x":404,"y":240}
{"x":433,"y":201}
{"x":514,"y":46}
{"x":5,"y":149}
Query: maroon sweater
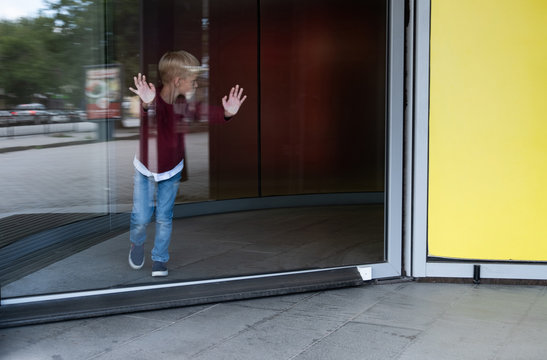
{"x":161,"y":145}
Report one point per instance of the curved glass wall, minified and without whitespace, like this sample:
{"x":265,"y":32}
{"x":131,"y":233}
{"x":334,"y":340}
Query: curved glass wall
{"x":294,"y":181}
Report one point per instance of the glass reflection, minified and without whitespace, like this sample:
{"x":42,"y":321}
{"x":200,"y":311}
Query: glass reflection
{"x":55,"y":172}
{"x":70,"y":128}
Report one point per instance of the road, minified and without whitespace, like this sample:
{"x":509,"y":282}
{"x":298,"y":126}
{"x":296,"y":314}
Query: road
{"x":47,"y":129}
{"x":82,"y":178}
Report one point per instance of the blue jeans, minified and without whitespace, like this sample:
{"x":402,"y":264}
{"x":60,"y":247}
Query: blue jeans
{"x":143,"y":209}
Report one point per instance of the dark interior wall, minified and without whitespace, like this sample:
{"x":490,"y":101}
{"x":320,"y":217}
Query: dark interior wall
{"x":323,"y":96}
{"x":314,"y":72}
{"x":233,"y":60}
{"x":157,"y":34}
{"x":169,"y":25}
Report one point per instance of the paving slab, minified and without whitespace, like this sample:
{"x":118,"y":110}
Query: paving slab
{"x":367,"y":322}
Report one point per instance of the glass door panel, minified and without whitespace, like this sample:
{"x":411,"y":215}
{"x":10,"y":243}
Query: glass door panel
{"x":314,"y":123}
{"x":55,"y":161}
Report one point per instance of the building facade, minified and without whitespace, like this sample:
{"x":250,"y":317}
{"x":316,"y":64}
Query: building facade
{"x":380,"y":139}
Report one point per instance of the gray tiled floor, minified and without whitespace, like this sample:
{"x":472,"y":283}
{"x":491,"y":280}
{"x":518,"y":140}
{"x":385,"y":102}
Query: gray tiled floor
{"x":407,"y":320}
{"x":224,"y":245}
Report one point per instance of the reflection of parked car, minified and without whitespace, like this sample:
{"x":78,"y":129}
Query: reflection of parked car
{"x":78,"y":115}
{"x":30,"y":113}
{"x":58,"y":116}
{"x":5,"y":118}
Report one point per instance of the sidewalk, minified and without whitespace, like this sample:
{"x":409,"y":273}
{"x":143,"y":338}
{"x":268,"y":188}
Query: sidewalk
{"x":393,"y":321}
{"x":49,"y":135}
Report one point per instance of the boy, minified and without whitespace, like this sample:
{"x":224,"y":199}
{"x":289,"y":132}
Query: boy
{"x":160,"y":158}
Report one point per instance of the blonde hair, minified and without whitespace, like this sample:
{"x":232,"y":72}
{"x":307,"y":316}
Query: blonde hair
{"x":178,"y":63}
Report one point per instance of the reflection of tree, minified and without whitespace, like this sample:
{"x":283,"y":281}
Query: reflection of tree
{"x":127,"y":37}
{"x":46,"y":55}
{"x":25,"y":58}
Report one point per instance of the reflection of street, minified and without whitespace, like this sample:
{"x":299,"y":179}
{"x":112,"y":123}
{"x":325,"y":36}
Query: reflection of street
{"x":23,"y":130}
{"x":74,"y":178}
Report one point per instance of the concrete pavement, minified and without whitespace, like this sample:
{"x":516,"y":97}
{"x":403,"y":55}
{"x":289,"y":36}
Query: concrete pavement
{"x":403,"y":321}
{"x":69,"y":172}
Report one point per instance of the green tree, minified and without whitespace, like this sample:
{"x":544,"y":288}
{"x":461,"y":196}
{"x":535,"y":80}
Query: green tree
{"x":47,"y":55}
{"x":24,"y":58}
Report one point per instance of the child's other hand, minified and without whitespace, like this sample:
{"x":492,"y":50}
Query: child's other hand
{"x":146,"y":91}
{"x":232,"y":102}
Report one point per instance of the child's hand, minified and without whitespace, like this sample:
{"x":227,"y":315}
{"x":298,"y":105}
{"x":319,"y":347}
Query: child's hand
{"x":147,"y":92}
{"x":232,"y":102}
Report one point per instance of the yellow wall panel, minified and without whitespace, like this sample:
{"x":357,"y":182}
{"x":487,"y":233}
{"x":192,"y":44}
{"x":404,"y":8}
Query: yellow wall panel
{"x":488,"y":130}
